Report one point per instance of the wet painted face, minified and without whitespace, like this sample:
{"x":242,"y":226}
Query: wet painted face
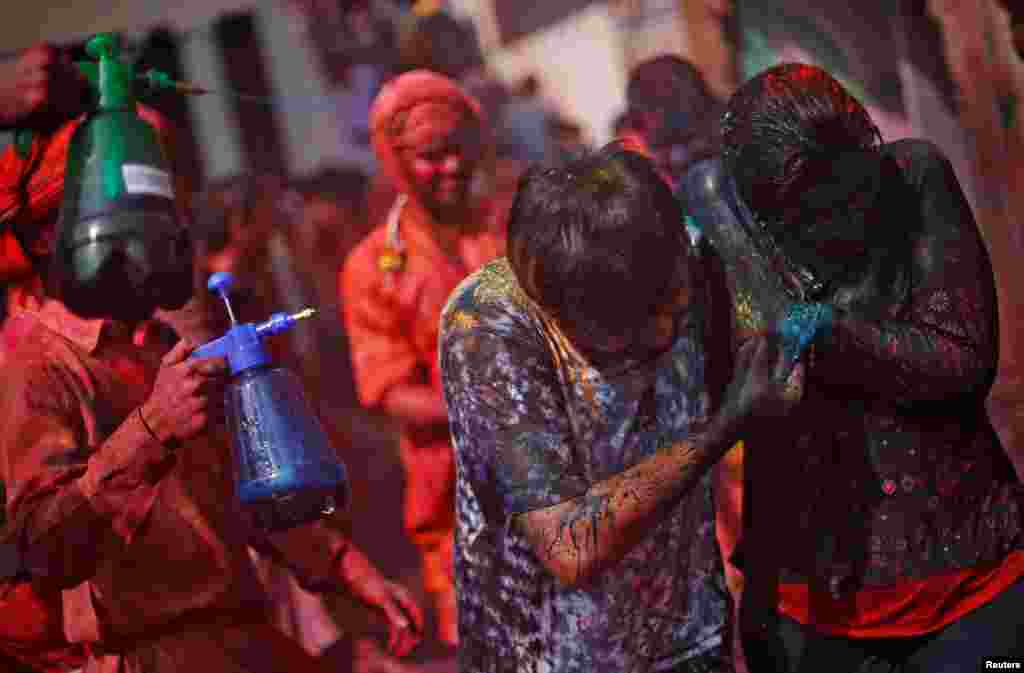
{"x":440,"y":146}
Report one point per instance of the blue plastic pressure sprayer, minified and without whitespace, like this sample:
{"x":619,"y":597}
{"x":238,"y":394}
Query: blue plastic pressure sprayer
{"x":287,"y":472}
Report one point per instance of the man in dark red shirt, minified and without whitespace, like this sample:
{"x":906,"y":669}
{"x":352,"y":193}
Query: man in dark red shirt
{"x":120,"y":487}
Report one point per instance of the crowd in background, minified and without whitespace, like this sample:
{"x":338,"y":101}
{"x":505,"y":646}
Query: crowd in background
{"x":286,"y":237}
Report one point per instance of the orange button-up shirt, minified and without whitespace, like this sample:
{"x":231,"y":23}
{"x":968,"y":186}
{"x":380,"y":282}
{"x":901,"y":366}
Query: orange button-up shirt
{"x":392,"y":317}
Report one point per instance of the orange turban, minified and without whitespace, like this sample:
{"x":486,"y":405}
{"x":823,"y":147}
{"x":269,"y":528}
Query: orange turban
{"x":401,"y":95}
{"x":32,"y":188}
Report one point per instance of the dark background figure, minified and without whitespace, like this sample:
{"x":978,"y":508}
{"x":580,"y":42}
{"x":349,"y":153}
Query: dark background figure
{"x":524,"y":129}
{"x":355,"y":44}
{"x":585,"y":431}
{"x":670,"y":104}
{"x":567,"y":140}
{"x":437,"y":41}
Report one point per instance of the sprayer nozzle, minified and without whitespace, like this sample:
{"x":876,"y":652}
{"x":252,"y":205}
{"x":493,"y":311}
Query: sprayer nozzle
{"x":304,"y":313}
{"x":190,"y":89}
{"x":158,"y":79}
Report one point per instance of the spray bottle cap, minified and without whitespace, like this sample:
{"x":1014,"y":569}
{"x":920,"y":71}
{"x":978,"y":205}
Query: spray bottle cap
{"x":111,"y":80}
{"x":243,"y":344}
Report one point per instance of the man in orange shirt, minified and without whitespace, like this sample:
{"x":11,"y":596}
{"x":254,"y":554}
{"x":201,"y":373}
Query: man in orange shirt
{"x":429,"y":137}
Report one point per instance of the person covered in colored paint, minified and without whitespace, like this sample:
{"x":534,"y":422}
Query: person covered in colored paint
{"x":585,"y":431}
{"x":430,"y":138}
{"x":120,"y":484}
{"x":884,"y":532}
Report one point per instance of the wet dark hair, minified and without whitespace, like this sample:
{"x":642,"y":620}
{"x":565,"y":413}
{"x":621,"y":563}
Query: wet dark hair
{"x":598,"y":242}
{"x":806,"y":157}
{"x":782,"y":132}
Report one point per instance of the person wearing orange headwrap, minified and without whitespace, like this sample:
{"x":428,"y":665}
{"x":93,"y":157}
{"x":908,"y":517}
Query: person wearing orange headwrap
{"x":429,"y":137}
{"x":120,"y":503}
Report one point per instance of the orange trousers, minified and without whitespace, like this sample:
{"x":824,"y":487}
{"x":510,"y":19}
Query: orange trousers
{"x":429,"y":518}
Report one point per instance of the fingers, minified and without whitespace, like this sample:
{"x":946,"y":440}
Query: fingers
{"x":794,"y":387}
{"x":402,"y":640}
{"x":179,"y":353}
{"x":394,"y":639}
{"x":758,"y":356}
{"x":405,"y":620}
{"x":778,"y":363}
{"x":209,"y":366}
{"x":397,"y":625}
{"x":407,"y":641}
{"x":410,"y":607}
{"x":204,"y":366}
{"x":745,"y":355}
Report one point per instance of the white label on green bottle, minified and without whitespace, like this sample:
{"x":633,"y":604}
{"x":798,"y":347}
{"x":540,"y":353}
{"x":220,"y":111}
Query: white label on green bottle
{"x":142,"y":179}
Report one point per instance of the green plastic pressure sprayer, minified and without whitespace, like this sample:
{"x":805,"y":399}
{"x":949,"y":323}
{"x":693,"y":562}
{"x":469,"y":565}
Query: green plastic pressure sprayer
{"x":122,"y":249}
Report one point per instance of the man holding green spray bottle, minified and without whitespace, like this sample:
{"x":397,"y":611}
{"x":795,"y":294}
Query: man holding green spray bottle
{"x":119,"y":500}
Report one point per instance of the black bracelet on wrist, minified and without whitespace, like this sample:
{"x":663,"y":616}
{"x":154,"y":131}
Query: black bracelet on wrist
{"x":171,"y":444}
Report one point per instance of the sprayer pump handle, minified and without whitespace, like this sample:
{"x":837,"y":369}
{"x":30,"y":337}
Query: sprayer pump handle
{"x":220,"y":283}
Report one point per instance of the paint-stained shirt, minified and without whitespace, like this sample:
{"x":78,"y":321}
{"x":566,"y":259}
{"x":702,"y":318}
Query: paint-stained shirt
{"x":536,"y":424}
{"x":147,"y":548}
{"x":903,"y":510}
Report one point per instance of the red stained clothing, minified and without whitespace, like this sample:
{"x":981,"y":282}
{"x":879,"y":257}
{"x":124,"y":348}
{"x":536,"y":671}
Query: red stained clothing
{"x":392,"y":321}
{"x":148,"y":548}
{"x":392,"y":317}
{"x":31,"y":630}
{"x":908,"y":609}
{"x":905,"y":610}
{"x":393,"y":287}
